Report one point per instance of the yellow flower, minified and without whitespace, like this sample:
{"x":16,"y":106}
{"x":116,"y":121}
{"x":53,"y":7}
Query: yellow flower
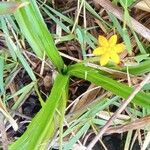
{"x":109,"y":49}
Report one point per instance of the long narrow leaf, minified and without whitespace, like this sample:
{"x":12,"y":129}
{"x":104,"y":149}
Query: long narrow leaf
{"x":83,"y":130}
{"x":34,"y":29}
{"x":143,"y":67}
{"x":16,"y":51}
{"x":142,"y":99}
{"x":1,"y":75}
{"x":43,"y":126}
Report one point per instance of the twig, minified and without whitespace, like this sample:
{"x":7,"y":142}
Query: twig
{"x":3,"y":134}
{"x":137,"y":124}
{"x":135,"y":25}
{"x":77,"y":17}
{"x":119,"y":110}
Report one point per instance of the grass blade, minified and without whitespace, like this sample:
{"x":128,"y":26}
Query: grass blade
{"x":1,"y":74}
{"x":44,"y":124}
{"x":16,"y":51}
{"x":143,"y":67}
{"x":120,"y":89}
{"x":34,"y":29}
{"x":122,"y":32}
{"x":70,"y":144}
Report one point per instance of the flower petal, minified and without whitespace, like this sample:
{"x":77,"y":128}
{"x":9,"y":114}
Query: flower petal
{"x":113,"y":40}
{"x":115,"y":58}
{"x":99,"y":51}
{"x":104,"y":59}
{"x":119,"y":48}
{"x":102,"y":41}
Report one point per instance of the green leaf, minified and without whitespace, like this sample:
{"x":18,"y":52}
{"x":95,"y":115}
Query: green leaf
{"x":16,"y":50}
{"x":143,"y":67}
{"x":142,"y":50}
{"x":123,"y":32}
{"x":72,"y":141}
{"x":126,"y":3}
{"x":24,"y":91}
{"x":68,"y":37}
{"x":142,"y":57}
{"x":35,"y":31}
{"x":57,"y":21}
{"x":45,"y":123}
{"x":6,"y":31}
{"x":60,"y":15}
{"x":1,"y":74}
{"x":120,"y":89}
{"x":127,"y":41}
{"x":61,"y":108}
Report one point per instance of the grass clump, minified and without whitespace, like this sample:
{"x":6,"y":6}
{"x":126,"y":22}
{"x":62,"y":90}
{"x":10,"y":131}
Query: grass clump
{"x":55,"y":93}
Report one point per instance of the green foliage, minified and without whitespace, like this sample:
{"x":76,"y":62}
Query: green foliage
{"x":44,"y":125}
{"x":125,"y":2}
{"x":109,"y":84}
{"x":123,"y":32}
{"x":139,"y":68}
{"x":16,"y":50}
{"x":2,"y":74}
{"x":35,"y":31}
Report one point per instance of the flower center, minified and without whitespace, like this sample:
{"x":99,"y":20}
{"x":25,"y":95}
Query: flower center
{"x":109,"y":49}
